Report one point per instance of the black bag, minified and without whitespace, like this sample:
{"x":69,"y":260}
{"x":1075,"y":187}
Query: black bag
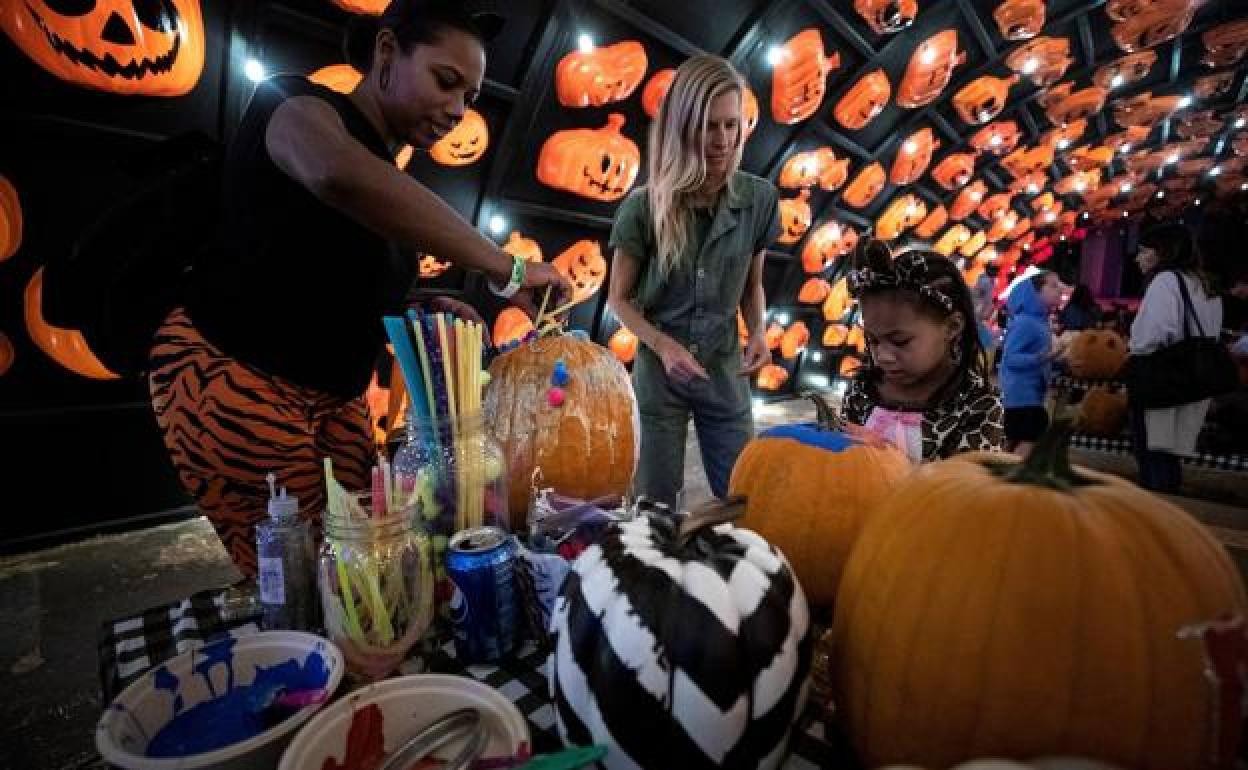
{"x":126,"y":271}
{"x":1190,"y":370}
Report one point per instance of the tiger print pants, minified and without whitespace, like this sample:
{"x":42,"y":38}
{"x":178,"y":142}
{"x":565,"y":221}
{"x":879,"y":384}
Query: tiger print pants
{"x":227,"y":425}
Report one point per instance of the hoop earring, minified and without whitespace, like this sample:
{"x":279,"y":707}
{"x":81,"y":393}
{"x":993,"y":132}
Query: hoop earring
{"x":385,"y":77}
{"x":955,"y":352}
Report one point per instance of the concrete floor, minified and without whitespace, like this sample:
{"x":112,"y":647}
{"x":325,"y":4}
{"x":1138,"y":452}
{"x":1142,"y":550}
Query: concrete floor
{"x":53,"y":603}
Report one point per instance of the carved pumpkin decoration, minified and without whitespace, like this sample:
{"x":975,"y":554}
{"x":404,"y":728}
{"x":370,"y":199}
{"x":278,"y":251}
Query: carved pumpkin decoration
{"x":1002,"y":225}
{"x":913,"y":157}
{"x":1090,"y":158}
{"x":868,"y":184}
{"x":602,"y":76}
{"x":907,"y":627}
{"x":849,"y":366}
{"x":1225,"y":44}
{"x":820,"y":166}
{"x":1019,"y":19}
{"x":511,"y":326}
{"x":1213,"y":86}
{"x":1199,"y":125}
{"x":66,"y":347}
{"x":655,"y":92}
{"x":771,"y":377}
{"x":623,"y":344}
{"x":904,"y":212}
{"x":1152,"y":24}
{"x":1062,"y":137}
{"x":798,"y":79}
{"x":931,"y":224}
{"x":983,"y":98}
{"x":7,"y":354}
{"x":930,"y":69}
{"x":838,"y":335}
{"x":525,"y":248}
{"x":365,"y":7}
{"x":838,"y":302}
{"x":955,"y":170}
{"x":995,"y":206}
{"x":794,"y":340}
{"x":1043,"y":60}
{"x":1195,"y":166}
{"x":972,"y":246}
{"x":813,"y":291}
{"x":1028,"y":160}
{"x":10,"y":220}
{"x":600,"y":164}
{"x":829,"y":242}
{"x":1030,"y":184}
{"x":865,"y":100}
{"x":1078,"y":183}
{"x":1145,"y":110}
{"x":794,"y":217}
{"x":343,"y":78}
{"x":952,"y":238}
{"x":432,"y":267}
{"x":1125,"y":70}
{"x":1020,"y":229}
{"x":998,"y":138}
{"x":773,"y":336}
{"x":1065,"y":105}
{"x":968,"y":200}
{"x":1103,"y":411}
{"x":886,"y":17}
{"x":584,"y":267}
{"x":465,"y":144}
{"x":130,"y":48}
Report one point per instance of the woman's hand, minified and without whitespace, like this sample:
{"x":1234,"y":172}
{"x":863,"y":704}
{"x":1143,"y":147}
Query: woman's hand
{"x":456,"y":308}
{"x":678,"y":362}
{"x":755,"y":356}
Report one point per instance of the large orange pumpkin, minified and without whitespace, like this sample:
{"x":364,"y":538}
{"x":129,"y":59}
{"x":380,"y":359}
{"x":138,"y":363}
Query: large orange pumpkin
{"x":913,"y":157}
{"x":968,"y":200}
{"x":955,"y":170}
{"x":7,"y":353}
{"x":623,"y":345}
{"x":1097,"y":354}
{"x":931,"y":224}
{"x":798,"y":78}
{"x":998,"y":138}
{"x":133,"y":48}
{"x":10,"y":220}
{"x":1019,"y":19}
{"x":829,"y":242}
{"x":584,"y":266}
{"x":885,"y":17}
{"x":600,"y":164}
{"x":838,"y":302}
{"x":465,"y":144}
{"x":794,"y":340}
{"x":655,"y":92}
{"x":820,"y":166}
{"x":343,"y":78}
{"x":1103,"y":411}
{"x":794,"y":217}
{"x":587,"y":446}
{"x":771,"y":377}
{"x":601,"y":76}
{"x":813,"y":291}
{"x":983,"y":98}
{"x":1144,"y":110}
{"x":930,"y":68}
{"x":904,"y":212}
{"x":1212,"y":86}
{"x":809,"y":488}
{"x":525,"y":248}
{"x":1125,"y":70}
{"x":66,"y":347}
{"x":511,"y":326}
{"x":1147,"y":25}
{"x":864,"y":101}
{"x":1043,"y":60}
{"x":868,"y":184}
{"x":993,"y":607}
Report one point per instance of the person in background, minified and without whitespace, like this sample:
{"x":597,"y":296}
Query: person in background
{"x":985,"y":305}
{"x":1027,"y":357}
{"x":924,"y":385}
{"x":1081,"y":311}
{"x":689,"y":250}
{"x":1162,"y":436}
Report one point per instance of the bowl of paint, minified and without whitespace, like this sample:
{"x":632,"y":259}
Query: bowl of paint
{"x":373,"y":722}
{"x":230,"y":704}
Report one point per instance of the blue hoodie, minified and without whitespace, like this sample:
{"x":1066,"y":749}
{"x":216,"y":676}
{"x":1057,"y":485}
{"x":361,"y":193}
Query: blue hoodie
{"x":1024,"y":362}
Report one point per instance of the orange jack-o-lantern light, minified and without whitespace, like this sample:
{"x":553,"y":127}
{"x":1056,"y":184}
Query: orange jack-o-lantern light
{"x":999,"y":138}
{"x":829,"y":242}
{"x":955,"y":171}
{"x":1065,"y":105}
{"x":930,"y":68}
{"x":968,"y":200}
{"x":1061,"y":137}
{"x":1125,"y":70}
{"x":432,"y":267}
{"x":66,"y":347}
{"x":600,"y":164}
{"x":600,"y":76}
{"x":1002,"y":225}
{"x":865,"y":186}
{"x":1146,"y":25}
{"x":1019,"y":19}
{"x":995,"y":206}
{"x":813,"y":291}
{"x":655,"y":92}
{"x":849,"y":366}
{"x":838,"y":302}
{"x":951,"y":239}
{"x":1030,"y":184}
{"x":903,"y":213}
{"x":821,"y":167}
{"x":866,"y":99}
{"x":913,"y":157}
{"x":150,"y":48}
{"x":933,"y":222}
{"x":465,"y":144}
{"x":7,"y":353}
{"x":1020,"y":229}
{"x":799,"y":75}
{"x":1028,"y":160}
{"x":972,"y":246}
{"x":1088,"y":158}
{"x":365,"y":7}
{"x":1225,"y":44}
{"x":1145,"y":110}
{"x":885,"y":17}
{"x":526,"y":248}
{"x":1199,"y":125}
{"x":983,"y":98}
{"x":343,"y":78}
{"x":794,"y":340}
{"x":1213,"y":86}
{"x":511,"y":326}
{"x":624,"y":345}
{"x":1043,"y":60}
{"x":1078,"y":183}
{"x":584,"y":267}
{"x":1043,"y":203}
{"x":772,"y":377}
{"x":10,"y":220}
{"x":773,"y":335}
{"x":794,"y":217}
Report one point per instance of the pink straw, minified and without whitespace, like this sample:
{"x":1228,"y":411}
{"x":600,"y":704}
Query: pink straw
{"x":379,"y":493}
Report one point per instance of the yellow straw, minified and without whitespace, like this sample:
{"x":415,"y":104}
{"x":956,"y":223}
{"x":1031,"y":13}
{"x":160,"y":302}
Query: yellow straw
{"x":542,"y":310}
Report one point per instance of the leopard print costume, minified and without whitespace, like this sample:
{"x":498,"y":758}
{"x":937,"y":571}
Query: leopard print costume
{"x":965,"y":418}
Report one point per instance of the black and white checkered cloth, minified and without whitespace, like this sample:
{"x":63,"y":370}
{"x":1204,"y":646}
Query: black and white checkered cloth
{"x":1123,"y":445}
{"x":128,"y":647}
{"x":1075,"y":383}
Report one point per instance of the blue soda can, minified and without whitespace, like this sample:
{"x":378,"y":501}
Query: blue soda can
{"x":480,"y":564}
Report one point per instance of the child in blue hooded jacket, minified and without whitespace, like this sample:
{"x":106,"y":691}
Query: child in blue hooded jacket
{"x":1025,"y":360}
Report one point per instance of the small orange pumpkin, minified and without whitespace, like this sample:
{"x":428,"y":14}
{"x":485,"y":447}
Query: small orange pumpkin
{"x":525,"y":248}
{"x":930,"y":69}
{"x":833,"y":171}
{"x":819,"y":166}
{"x":828,"y":242}
{"x":968,"y":200}
{"x":983,"y":98}
{"x":1065,"y":105}
{"x":794,"y":340}
{"x":343,"y":78}
{"x":1088,"y":158}
{"x":1020,"y":229}
{"x":913,"y":157}
{"x":885,"y":17}
{"x":1149,"y":25}
{"x":864,"y":101}
{"x":771,"y":377}
{"x":813,"y":291}
{"x":1019,"y":19}
{"x":794,"y":217}
{"x":995,"y":206}
{"x":1199,"y":125}
{"x":1213,"y":86}
{"x":1097,"y":354}
{"x":66,"y":347}
{"x":1043,"y":60}
{"x":838,"y":302}
{"x":834,"y":335}
{"x":1061,"y":137}
{"x":1002,"y":225}
{"x":585,"y":268}
{"x":1031,"y":184}
{"x":955,"y":170}
{"x":10,"y":219}
{"x":1226,"y":43}
{"x":624,"y":345}
{"x":432,"y":267}
{"x":465,"y":144}
{"x":798,"y":79}
{"x":773,"y":335}
{"x":511,"y":326}
{"x":849,"y":366}
{"x":600,"y":164}
{"x":1028,"y":160}
{"x":655,"y":92}
{"x":1103,"y":411}
{"x":1125,"y":70}
{"x":951,"y":239}
{"x":7,"y":354}
{"x":999,"y":138}
{"x":365,"y":7}
{"x":868,"y":184}
{"x":904,"y":212}
{"x":602,"y":76}
{"x":932,"y":223}
{"x":1078,"y":183}
{"x":972,"y":246}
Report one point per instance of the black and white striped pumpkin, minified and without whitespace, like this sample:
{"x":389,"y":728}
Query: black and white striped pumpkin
{"x":680,"y":649}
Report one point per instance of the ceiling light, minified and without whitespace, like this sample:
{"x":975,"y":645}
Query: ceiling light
{"x":1241,"y":123}
{"x":1063,"y":143}
{"x":1125,"y":148}
{"x":816,"y":356}
{"x":818,"y":380}
{"x":1198,"y":201}
{"x":1061,"y":237}
{"x":1173,"y":158}
{"x":782,"y":319}
{"x":1244,"y":186}
{"x":910,"y":146}
{"x":1186,"y":101}
{"x":928,"y":54}
{"x":1124,"y":215}
{"x":254,"y":70}
{"x":1215,"y":171}
{"x":1031,"y":65}
{"x":1126,"y":187}
{"x":1117,"y":80}
{"x":1161,"y":193}
{"x":585,"y":43}
{"x":775,"y":55}
{"x":498,"y":224}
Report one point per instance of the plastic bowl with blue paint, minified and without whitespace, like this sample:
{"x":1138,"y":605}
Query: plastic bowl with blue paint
{"x":231,"y":704}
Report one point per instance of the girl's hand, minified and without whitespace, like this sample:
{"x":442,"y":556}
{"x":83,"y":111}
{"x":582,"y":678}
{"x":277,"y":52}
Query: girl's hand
{"x":538,"y":276}
{"x":678,"y":362}
{"x":755,"y":356}
{"x":456,"y":308}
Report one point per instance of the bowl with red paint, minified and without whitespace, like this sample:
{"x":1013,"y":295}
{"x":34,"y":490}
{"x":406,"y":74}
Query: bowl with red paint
{"x":233,"y":704}
{"x":359,"y":730}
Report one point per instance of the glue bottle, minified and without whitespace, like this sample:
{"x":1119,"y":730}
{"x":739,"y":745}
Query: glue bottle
{"x":286,"y":558}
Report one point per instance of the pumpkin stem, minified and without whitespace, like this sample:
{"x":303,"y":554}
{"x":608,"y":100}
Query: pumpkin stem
{"x":709,"y":514}
{"x":1048,"y":465}
{"x":826,"y":416}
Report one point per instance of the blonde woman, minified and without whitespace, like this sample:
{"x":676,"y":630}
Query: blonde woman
{"x":688,"y":253}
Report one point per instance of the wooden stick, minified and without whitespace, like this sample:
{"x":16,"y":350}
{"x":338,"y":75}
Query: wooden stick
{"x":542,"y":310}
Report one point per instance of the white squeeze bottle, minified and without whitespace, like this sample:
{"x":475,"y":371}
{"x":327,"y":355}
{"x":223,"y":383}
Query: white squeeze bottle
{"x":285,"y":558}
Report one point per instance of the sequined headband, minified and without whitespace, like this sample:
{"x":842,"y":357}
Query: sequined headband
{"x":908,"y":271}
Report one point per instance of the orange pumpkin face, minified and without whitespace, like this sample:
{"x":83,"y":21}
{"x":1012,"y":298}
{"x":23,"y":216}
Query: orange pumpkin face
{"x":66,"y":347}
{"x":584,"y":267}
{"x":838,"y":302}
{"x":794,"y":340}
{"x":955,"y":170}
{"x":1145,"y":110}
{"x":1088,"y":158}
{"x":983,"y":98}
{"x":1019,"y":19}
{"x":849,"y":366}
{"x":868,"y":184}
{"x":749,"y":111}
{"x":119,"y":46}
{"x":1043,"y":60}
{"x":913,"y":157}
{"x":511,"y":326}
{"x":1125,"y":70}
{"x":1028,"y":160}
{"x":1078,"y":183}
{"x":794,"y":217}
{"x":773,"y":335}
{"x":968,"y":200}
{"x":343,"y":78}
{"x":833,"y":171}
{"x":932,"y":223}
{"x":820,"y":166}
{"x":1226,"y":43}
{"x":798,"y":78}
{"x":602,"y":76}
{"x":1002,"y":225}
{"x":7,"y":354}
{"x":772,"y":377}
{"x":1212,"y":86}
{"x":951,"y":239}
{"x":1030,"y":184}
{"x":998,"y":138}
{"x":624,"y":345}
{"x":1199,"y":125}
{"x":813,"y":291}
{"x":600,"y":164}
{"x":655,"y":92}
{"x":1062,"y":137}
{"x":868,"y":98}
{"x":1065,"y":105}
{"x":1020,"y":229}
{"x":432,"y":267}
{"x":10,"y":220}
{"x":828,"y":243}
{"x":995,"y":206}
{"x":366,"y":7}
{"x":1158,"y":22}
{"x":885,"y":17}
{"x":974,"y":244}
{"x":930,"y":68}
{"x":525,"y":248}
{"x":465,"y":144}
{"x":904,"y":212}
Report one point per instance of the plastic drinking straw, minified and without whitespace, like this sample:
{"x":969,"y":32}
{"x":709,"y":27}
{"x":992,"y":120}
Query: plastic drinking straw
{"x":398,"y":395}
{"x":334,"y":502}
{"x":447,"y":368}
{"x":379,"y":493}
{"x":542,"y":310}
{"x":432,"y":414}
{"x":477,"y":346}
{"x":406,"y":357}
